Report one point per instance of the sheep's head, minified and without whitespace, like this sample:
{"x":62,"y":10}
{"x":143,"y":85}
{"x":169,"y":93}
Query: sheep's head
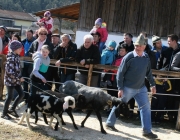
{"x":69,"y":101}
{"x":80,"y":100}
{"x":123,"y":109}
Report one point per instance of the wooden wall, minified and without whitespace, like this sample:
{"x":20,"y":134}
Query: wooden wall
{"x":159,"y":17}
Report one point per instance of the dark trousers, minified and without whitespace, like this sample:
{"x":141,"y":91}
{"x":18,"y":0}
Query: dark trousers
{"x":53,"y":75}
{"x":9,"y":97}
{"x":67,"y":77}
{"x":36,"y":86}
{"x":26,"y":71}
{"x":157,"y":103}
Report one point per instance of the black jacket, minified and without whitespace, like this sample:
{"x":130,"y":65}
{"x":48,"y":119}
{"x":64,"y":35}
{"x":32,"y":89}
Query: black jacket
{"x":166,"y":57}
{"x":34,"y":46}
{"x":152,"y":56}
{"x":91,"y":56}
{"x":66,"y":55}
{"x":129,"y":49}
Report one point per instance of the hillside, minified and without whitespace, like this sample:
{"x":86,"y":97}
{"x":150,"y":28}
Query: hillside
{"x":31,"y":6}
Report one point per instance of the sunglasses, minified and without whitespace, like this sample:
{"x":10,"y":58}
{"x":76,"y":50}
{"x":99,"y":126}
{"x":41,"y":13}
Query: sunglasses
{"x":42,"y":34}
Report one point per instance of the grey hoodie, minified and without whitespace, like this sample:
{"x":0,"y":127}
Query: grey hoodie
{"x":41,"y":65}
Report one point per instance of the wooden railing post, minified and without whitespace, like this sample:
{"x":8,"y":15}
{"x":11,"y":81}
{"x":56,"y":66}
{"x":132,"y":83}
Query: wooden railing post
{"x":90,"y":75}
{"x":3,"y":59}
{"x":178,"y":119}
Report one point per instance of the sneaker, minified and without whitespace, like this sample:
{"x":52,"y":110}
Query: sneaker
{"x":7,"y":117}
{"x":112,"y":128}
{"x":150,"y":135}
{"x":13,"y":113}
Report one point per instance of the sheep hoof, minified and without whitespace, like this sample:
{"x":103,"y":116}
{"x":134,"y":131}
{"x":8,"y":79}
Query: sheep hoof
{"x":76,"y":127}
{"x":103,"y":131}
{"x":63,"y":123}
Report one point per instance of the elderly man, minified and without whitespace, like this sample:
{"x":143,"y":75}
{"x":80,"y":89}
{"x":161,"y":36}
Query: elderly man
{"x":134,"y":68}
{"x":158,"y":47}
{"x":88,"y":54}
{"x":66,"y":52}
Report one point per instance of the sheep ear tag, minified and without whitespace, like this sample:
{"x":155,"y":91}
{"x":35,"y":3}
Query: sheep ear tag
{"x":65,"y":105}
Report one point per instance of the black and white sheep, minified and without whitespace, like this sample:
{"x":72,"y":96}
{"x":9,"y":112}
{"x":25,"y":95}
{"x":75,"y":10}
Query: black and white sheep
{"x":79,"y":101}
{"x":49,"y":105}
{"x":96,"y":100}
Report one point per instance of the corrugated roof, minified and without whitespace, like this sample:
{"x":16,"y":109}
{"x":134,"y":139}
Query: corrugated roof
{"x":16,"y":15}
{"x":68,"y":12}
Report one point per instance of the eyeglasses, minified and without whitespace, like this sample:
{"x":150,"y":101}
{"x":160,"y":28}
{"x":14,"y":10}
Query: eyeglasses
{"x":42,"y":34}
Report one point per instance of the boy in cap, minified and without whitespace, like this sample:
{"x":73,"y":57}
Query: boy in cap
{"x":13,"y":79}
{"x":107,"y":58}
{"x":158,"y":47}
{"x":101,"y":28}
{"x":134,"y":68}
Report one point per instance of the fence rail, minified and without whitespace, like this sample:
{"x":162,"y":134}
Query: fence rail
{"x":97,"y":66}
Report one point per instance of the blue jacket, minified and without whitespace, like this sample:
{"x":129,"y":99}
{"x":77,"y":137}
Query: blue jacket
{"x":159,"y":53}
{"x":108,"y":56}
{"x":27,"y":43}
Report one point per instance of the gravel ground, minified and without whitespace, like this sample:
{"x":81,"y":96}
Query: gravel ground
{"x":91,"y":131}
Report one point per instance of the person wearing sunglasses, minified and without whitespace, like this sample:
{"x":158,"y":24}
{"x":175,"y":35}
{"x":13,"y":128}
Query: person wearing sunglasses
{"x":39,"y":42}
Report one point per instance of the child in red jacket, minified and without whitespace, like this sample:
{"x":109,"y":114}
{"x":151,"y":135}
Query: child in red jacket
{"x":100,"y":28}
{"x":47,"y":22}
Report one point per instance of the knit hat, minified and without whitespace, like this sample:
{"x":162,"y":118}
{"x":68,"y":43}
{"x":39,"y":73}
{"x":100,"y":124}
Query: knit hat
{"x":112,"y":44}
{"x":4,"y":27}
{"x":140,"y":40}
{"x":47,"y":14}
{"x":155,"y":38}
{"x":98,"y":22}
{"x":15,"y":45}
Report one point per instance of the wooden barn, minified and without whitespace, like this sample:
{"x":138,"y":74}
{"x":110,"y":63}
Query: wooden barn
{"x":156,"y":17}
{"x":160,"y":17}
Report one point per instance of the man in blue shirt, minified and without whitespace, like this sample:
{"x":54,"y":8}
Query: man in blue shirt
{"x":134,"y":68}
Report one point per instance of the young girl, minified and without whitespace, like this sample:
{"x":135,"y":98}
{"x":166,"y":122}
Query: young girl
{"x":38,"y":75}
{"x":100,"y":28}
{"x":12,"y":79}
{"x":47,"y":22}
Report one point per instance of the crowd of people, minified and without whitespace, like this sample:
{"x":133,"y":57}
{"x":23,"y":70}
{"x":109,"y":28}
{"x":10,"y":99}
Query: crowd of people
{"x":130,"y":76}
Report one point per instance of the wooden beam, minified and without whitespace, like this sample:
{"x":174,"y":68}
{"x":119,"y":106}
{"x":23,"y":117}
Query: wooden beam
{"x":89,"y":75}
{"x":178,"y":120}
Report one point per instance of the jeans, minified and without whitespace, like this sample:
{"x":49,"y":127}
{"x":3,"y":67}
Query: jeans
{"x":9,"y":97}
{"x":141,"y":97}
{"x":101,"y":46}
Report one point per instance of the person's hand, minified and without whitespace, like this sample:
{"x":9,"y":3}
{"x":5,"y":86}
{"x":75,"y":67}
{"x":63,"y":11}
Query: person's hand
{"x":120,"y":93}
{"x":58,"y":63}
{"x":44,"y":80}
{"x":86,"y":66}
{"x":22,"y":79}
{"x":153,"y":90}
{"x":63,"y":44}
{"x":82,"y":62}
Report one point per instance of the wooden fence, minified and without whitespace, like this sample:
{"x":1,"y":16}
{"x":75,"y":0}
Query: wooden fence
{"x":98,"y":66}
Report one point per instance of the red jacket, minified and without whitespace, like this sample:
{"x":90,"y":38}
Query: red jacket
{"x":102,"y":31}
{"x":117,"y":62}
{"x":6,"y":50}
{"x":104,"y":34}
